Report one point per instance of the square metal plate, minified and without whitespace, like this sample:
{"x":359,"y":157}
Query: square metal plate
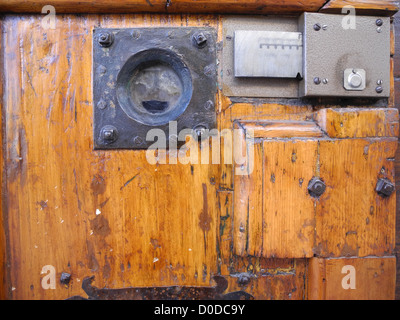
{"x":148,"y":77}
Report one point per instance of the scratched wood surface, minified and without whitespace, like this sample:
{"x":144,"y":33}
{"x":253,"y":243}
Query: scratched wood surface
{"x":383,"y":7}
{"x":274,"y":215}
{"x":114,"y":216}
{"x":396,"y":78}
{"x":108,"y":214}
{"x":163,"y":6}
{"x":373,"y":279}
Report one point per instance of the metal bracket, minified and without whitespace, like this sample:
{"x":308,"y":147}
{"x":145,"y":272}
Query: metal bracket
{"x":145,"y":78}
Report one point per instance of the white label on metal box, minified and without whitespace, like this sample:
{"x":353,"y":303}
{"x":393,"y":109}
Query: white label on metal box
{"x":268,"y":54}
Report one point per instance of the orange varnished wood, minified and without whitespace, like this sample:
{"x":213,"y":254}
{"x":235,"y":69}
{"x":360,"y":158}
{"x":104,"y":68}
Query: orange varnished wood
{"x":163,"y":6}
{"x":351,"y":218}
{"x":283,"y":129}
{"x":129,"y":223}
{"x":374,"y":279}
{"x":274,"y":216}
{"x":375,"y":7}
{"x":356,"y":123}
{"x":108,"y":214}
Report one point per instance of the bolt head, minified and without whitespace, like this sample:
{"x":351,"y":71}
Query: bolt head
{"x":109,"y":134}
{"x":65,"y":278}
{"x":379,"y":22}
{"x":379,"y":89}
{"x":200,"y":39}
{"x":317,"y":27}
{"x":106,"y":39}
{"x":316,"y":187}
{"x":317,"y":80}
{"x":384,"y":187}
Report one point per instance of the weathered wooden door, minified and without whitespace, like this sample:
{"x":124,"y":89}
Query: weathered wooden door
{"x":102,"y":220}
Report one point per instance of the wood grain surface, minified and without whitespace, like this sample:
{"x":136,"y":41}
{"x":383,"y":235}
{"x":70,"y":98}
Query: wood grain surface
{"x":373,"y":279}
{"x":371,"y":7}
{"x":112,"y":215}
{"x":163,"y":6}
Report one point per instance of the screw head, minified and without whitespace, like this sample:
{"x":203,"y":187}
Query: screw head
{"x":101,"y":104}
{"x":106,"y":39}
{"x":135,"y":34}
{"x":109,"y":134}
{"x":317,"y":80}
{"x":200,"y":39}
{"x":316,"y":187}
{"x":138,"y":140}
{"x":208,"y":105}
{"x":379,"y":22}
{"x":325,"y":81}
{"x":317,"y":27}
{"x":379,"y":89}
{"x":199,"y":131}
{"x":385,"y":188}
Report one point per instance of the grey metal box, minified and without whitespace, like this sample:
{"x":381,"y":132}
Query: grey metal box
{"x":330,"y":49}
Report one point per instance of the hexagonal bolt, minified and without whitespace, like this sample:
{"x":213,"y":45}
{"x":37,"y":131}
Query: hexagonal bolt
{"x":385,"y":188}
{"x":65,"y":278}
{"x":200,"y":39}
{"x":316,"y":187}
{"x":109,"y":134}
{"x":106,"y":39}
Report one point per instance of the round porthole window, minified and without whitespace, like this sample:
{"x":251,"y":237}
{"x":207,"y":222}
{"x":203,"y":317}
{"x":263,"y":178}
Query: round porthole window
{"x":154,"y":87}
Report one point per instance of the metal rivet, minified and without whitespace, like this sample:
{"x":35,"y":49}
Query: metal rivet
{"x":106,"y":39}
{"x":379,"y":29}
{"x":317,"y":80}
{"x":379,"y":89}
{"x":384,"y":187}
{"x":316,"y":187}
{"x":379,"y":22}
{"x":317,"y":27}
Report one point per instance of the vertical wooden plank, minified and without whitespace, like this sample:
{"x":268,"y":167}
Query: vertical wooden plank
{"x":352,"y":219}
{"x":288,"y":211}
{"x":248,"y":200}
{"x":3,"y":219}
{"x":108,"y":214}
